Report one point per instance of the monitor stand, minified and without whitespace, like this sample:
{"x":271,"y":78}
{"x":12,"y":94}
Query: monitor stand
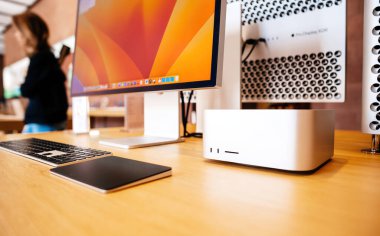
{"x":228,"y":96}
{"x":161,"y":123}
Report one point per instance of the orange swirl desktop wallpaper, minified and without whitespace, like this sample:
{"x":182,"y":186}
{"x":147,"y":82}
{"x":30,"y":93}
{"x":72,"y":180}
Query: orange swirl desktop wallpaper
{"x":122,"y":44}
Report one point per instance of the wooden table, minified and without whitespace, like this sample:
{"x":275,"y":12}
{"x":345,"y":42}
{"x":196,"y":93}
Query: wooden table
{"x":201,"y":198}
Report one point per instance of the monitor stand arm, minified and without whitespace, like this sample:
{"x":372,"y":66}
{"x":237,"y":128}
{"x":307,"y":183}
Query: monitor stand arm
{"x":161,"y":122}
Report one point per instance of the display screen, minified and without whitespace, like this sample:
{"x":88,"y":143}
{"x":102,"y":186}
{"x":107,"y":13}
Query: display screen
{"x":145,"y":45}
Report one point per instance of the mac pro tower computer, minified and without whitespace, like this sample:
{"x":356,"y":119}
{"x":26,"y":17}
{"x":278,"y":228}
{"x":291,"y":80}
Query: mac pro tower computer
{"x":149,"y":46}
{"x":371,"y":74}
{"x":303,"y":58}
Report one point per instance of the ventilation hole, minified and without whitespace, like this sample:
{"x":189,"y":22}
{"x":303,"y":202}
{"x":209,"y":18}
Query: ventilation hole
{"x":338,"y":53}
{"x":376,"y":50}
{"x":294,"y":74}
{"x":376,"y":31}
{"x":337,"y":95}
{"x":376,"y":11}
{"x":338,"y":82}
{"x":333,"y":75}
{"x":375,"y":107}
{"x":338,"y":68}
{"x":333,"y":61}
{"x":375,"y":88}
{"x":374,"y":125}
{"x":375,"y":69}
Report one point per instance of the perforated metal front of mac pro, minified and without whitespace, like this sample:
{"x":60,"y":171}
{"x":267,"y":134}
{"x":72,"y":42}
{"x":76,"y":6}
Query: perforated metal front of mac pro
{"x":371,"y":68}
{"x":304,"y":57}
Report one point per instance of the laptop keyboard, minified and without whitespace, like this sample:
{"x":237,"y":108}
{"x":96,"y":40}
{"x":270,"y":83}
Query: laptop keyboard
{"x":51,"y":153}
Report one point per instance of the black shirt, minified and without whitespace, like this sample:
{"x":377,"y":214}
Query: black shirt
{"x":45,"y":87}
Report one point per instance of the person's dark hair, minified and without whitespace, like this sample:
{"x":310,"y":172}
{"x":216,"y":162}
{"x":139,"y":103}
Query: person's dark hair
{"x":34,"y":29}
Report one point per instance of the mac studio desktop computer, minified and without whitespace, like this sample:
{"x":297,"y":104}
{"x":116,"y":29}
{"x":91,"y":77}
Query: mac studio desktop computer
{"x":149,"y":46}
{"x":302,"y":60}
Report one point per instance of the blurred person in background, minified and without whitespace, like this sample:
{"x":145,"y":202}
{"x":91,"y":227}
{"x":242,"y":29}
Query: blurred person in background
{"x":44,"y":84}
